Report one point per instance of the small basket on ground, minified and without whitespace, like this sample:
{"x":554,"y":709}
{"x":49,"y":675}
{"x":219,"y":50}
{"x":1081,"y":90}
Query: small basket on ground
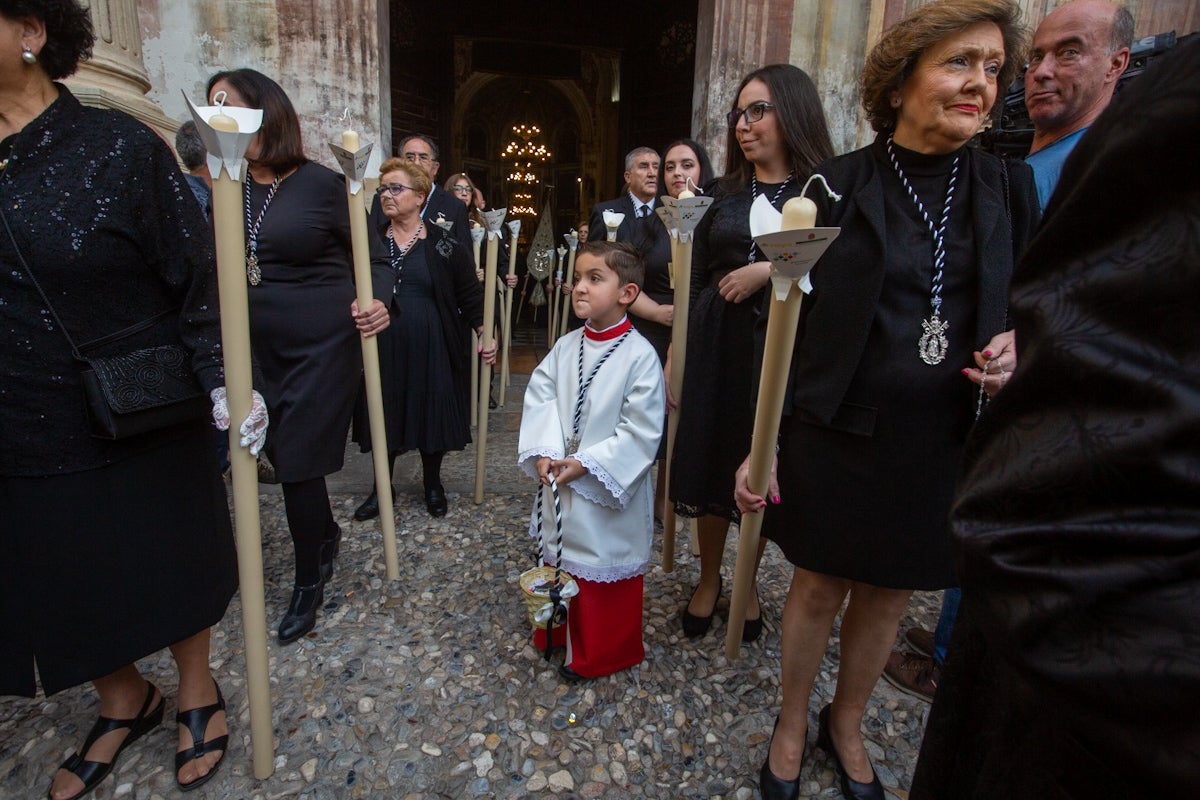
{"x":548,"y":590}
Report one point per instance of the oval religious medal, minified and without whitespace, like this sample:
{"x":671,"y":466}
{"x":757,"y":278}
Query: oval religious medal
{"x":933,"y":344}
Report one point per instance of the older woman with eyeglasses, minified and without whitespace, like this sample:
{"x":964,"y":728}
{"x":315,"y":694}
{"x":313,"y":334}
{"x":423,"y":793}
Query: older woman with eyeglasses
{"x":907,"y":316}
{"x":435,"y":302}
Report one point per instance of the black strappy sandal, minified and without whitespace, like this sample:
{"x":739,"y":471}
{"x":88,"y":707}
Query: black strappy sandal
{"x":196,"y":721}
{"x":92,"y":773}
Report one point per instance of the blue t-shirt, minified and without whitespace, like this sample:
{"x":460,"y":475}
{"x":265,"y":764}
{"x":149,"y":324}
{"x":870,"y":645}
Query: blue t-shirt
{"x":1047,"y":164}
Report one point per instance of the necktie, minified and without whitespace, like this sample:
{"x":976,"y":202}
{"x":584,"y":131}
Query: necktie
{"x":643,"y":211}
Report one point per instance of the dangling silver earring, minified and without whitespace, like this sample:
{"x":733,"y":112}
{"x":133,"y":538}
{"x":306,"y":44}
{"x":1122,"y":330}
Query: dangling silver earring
{"x":28,"y":57}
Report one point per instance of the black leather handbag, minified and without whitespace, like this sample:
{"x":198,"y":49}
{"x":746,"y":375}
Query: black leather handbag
{"x":134,"y":392}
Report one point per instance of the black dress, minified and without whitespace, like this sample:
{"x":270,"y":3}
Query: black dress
{"x":423,"y":355}
{"x":865,"y":494}
{"x":303,"y":336}
{"x":717,"y":408}
{"x":112,"y":550}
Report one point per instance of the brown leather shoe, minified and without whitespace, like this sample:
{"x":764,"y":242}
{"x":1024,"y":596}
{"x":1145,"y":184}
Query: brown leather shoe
{"x":920,"y":640}
{"x":913,"y":674}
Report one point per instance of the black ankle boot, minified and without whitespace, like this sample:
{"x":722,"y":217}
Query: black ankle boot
{"x":301,"y":616}
{"x":435,"y":501}
{"x":369,"y":508}
{"x":329,"y":550}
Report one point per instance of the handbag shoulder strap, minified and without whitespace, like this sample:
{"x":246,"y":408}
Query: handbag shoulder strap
{"x":76,"y":350}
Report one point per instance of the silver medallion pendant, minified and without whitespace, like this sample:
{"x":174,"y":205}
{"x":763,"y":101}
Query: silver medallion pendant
{"x":573,"y":444}
{"x":253,"y":271}
{"x":933,"y":344}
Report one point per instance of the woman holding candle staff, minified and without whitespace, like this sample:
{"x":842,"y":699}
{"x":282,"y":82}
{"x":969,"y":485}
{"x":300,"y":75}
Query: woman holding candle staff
{"x":777,"y":134}
{"x":113,"y":548}
{"x":883,"y":395}
{"x":303,"y":320}
{"x":424,"y":360}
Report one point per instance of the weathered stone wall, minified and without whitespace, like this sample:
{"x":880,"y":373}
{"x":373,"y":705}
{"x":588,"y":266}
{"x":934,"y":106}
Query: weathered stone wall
{"x":328,"y":55}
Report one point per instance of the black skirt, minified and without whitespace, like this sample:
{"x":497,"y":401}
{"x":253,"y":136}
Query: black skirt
{"x":106,"y":566}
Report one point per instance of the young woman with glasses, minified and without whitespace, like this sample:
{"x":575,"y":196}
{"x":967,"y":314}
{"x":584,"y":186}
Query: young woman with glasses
{"x":777,"y":135}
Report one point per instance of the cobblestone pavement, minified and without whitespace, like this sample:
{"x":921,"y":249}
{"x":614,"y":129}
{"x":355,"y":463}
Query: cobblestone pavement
{"x":427,"y":687}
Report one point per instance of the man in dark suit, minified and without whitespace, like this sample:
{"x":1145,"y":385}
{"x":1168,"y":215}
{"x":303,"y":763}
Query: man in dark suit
{"x":637,"y":202}
{"x":423,"y":151}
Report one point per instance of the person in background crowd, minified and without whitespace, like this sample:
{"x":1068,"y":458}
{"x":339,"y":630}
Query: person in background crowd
{"x":440,"y":205}
{"x":1074,"y":664}
{"x":194,"y":157}
{"x":303,"y":315}
{"x":1079,"y":51}
{"x":777,"y":134}
{"x":906,"y":317}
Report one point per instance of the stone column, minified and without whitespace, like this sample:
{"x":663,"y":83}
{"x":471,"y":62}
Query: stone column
{"x":115,"y":76}
{"x":733,"y":37}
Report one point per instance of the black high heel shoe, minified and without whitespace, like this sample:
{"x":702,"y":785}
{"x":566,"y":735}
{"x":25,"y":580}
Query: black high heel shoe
{"x":851,"y":789}
{"x":301,"y":615}
{"x":329,"y":551}
{"x":693,"y":625}
{"x":196,"y":721}
{"x":92,"y":773}
{"x":775,"y":788}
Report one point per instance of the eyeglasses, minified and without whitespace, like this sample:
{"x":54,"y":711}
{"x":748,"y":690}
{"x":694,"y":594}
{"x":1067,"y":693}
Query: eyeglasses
{"x":461,"y":188}
{"x":752,"y":113}
{"x":393,"y":189}
{"x":422,"y":157}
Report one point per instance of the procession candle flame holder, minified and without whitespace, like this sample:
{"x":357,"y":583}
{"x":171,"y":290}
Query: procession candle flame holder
{"x":684,"y":214}
{"x":493,"y":220}
{"x":612,"y":221}
{"x":353,"y":158}
{"x":793,"y":248}
{"x":226,"y":133}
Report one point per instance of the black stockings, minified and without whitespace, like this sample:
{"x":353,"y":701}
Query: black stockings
{"x":311,"y":522}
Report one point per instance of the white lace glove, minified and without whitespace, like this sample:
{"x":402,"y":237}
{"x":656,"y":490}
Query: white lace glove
{"x":253,"y":430}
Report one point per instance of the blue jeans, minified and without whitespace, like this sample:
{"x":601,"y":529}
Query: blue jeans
{"x":941,"y":636}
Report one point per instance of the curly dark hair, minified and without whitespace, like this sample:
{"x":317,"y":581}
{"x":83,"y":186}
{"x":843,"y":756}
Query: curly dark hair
{"x":895,"y":55}
{"x":69,"y":35}
{"x":282,"y":145}
{"x":801,"y":118}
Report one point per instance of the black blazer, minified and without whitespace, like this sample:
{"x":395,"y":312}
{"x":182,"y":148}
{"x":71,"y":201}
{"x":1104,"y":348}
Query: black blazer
{"x":836,"y":319}
{"x":442,"y":201}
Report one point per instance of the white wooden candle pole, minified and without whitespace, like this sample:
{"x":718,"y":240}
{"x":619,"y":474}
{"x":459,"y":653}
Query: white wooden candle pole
{"x":226,"y":138}
{"x":572,"y":240}
{"x":494,"y":219}
{"x":514,"y":229}
{"x":790,"y":264}
{"x":353,"y":160}
{"x":684,"y":214}
{"x":476,"y":239}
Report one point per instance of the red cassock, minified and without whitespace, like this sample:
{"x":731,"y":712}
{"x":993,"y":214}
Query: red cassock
{"x":603,"y":633}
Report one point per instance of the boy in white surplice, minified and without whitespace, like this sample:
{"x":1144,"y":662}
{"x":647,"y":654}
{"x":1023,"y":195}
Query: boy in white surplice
{"x":593,"y":416}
